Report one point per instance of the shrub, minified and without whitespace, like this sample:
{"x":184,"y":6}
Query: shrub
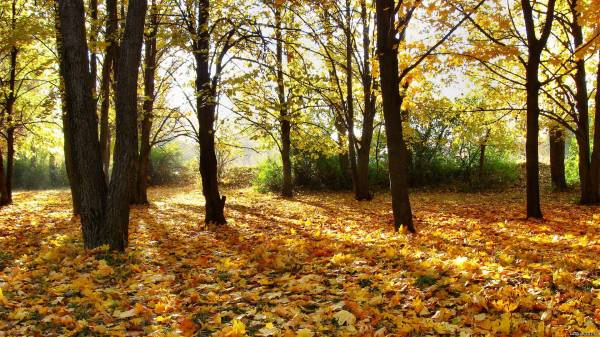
{"x":39,"y":170}
{"x":168,"y":167}
{"x":269,"y":176}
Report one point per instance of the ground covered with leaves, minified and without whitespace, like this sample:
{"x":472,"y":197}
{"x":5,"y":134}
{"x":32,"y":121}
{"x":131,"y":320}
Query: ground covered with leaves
{"x":319,"y":265}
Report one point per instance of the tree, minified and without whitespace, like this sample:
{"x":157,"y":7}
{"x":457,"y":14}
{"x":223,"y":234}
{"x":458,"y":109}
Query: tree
{"x":104,"y":208}
{"x":387,"y":49}
{"x":25,"y":88}
{"x":210,"y":62}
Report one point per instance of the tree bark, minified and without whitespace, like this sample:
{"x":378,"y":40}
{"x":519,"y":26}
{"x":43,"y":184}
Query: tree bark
{"x":3,"y":192}
{"x":81,"y":126}
{"x":589,"y":194}
{"x":141,"y":195}
{"x":534,"y":209}
{"x":535,"y":47}
{"x":206,"y":106}
{"x":390,"y":87}
{"x":104,"y":209}
{"x":123,"y":175}
{"x":362,"y":191}
{"x":557,"y":158}
{"x":350,"y":97}
{"x":108,"y":68}
{"x":9,"y":111}
{"x":284,"y":118}
{"x":595,"y":165}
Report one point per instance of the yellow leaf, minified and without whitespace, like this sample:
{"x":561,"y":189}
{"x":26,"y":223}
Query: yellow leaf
{"x":344,"y":317}
{"x":304,"y":333}
{"x":505,"y":324}
{"x":125,"y":314}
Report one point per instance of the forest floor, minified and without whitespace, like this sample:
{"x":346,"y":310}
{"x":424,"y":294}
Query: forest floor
{"x":319,"y":265}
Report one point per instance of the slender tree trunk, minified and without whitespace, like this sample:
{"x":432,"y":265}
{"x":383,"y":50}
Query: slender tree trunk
{"x":122,"y":182}
{"x":3,"y":192}
{"x":387,"y":45}
{"x":557,"y":158}
{"x":69,"y":165}
{"x":108,"y":68}
{"x":350,"y":97}
{"x":94,"y":42}
{"x":482,"y":151}
{"x":362,"y":191}
{"x":534,"y":209}
{"x":141,"y":195}
{"x":206,"y":106}
{"x":9,"y":111}
{"x":67,"y":141}
{"x":284,"y":118}
{"x":589,"y":194}
{"x":10,"y":162}
{"x":595,"y":166}
{"x":81,"y":127}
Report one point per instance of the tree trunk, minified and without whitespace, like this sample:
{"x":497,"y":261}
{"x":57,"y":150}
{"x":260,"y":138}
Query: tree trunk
{"x":9,"y":111}
{"x":10,"y":162}
{"x":141,"y":195}
{"x":362,"y":190}
{"x":284,"y":118}
{"x":104,"y":210}
{"x":482,"y":150}
{"x":3,"y":192}
{"x":81,"y":126}
{"x":595,"y":166}
{"x":534,"y":209}
{"x":350,"y":97}
{"x":589,"y":193}
{"x":123,"y":175}
{"x":392,"y":101}
{"x":108,"y":67}
{"x":206,"y":105}
{"x":69,"y":165}
{"x":557,"y":158}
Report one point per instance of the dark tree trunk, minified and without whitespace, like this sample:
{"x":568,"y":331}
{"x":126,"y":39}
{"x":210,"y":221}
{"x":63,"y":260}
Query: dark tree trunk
{"x":535,"y":47}
{"x":595,"y":166}
{"x":284,"y":117}
{"x":10,"y":162}
{"x":206,"y":106}
{"x":387,"y":45}
{"x":482,"y":151}
{"x":589,"y":193}
{"x":104,"y":210}
{"x":67,"y":141}
{"x":141,"y":195}
{"x":80,"y":122}
{"x":534,"y":209}
{"x":362,"y":190}
{"x":9,"y":110}
{"x":94,"y":42}
{"x":350,"y":97}
{"x":122,"y":182}
{"x":3,"y":192}
{"x":557,"y":158}
{"x":69,"y":165}
{"x":108,"y":67}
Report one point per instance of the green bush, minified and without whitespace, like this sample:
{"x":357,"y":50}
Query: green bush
{"x":168,"y":167}
{"x":39,"y":171}
{"x":269,"y":176}
{"x":572,"y":164}
{"x":325,"y":173}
